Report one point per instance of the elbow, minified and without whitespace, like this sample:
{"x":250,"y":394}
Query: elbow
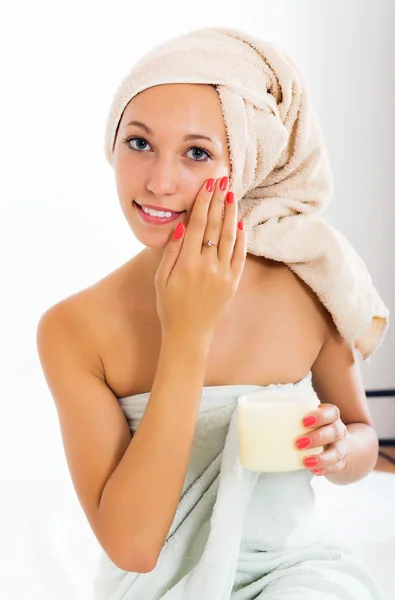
{"x":126,"y":551}
{"x":133,"y":561}
{"x":126,"y":548}
{"x":137,"y":563}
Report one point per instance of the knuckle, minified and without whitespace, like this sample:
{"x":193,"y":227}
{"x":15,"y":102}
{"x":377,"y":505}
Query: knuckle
{"x":227,"y":235}
{"x":335,"y":430}
{"x":228,"y":283}
{"x":210,"y":269}
{"x":187,"y":265}
{"x":333,"y":413}
{"x":206,"y":198}
{"x":326,"y":435}
{"x":338,"y":454}
{"x":199,"y":220}
{"x":337,"y":467}
{"x":342,"y":451}
{"x":341,"y":429}
{"x":182,"y":267}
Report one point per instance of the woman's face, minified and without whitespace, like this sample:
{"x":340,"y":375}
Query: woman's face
{"x":162,"y":157}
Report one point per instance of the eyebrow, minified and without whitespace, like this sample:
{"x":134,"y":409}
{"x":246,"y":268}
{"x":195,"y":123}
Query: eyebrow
{"x":191,"y":136}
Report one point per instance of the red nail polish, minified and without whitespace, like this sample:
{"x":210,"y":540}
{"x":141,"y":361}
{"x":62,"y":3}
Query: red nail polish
{"x":303,"y":442}
{"x":230,"y":197}
{"x":240,"y":225}
{"x":317,"y":471}
{"x":309,"y":421}
{"x":223,"y":183}
{"x":179,"y":230}
{"x":210,"y":185}
{"x":311,"y":461}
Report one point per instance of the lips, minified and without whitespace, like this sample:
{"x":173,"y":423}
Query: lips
{"x":160,"y":208}
{"x":146,"y":218}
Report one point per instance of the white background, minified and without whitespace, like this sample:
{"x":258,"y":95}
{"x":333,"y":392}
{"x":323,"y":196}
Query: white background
{"x":61,"y":226}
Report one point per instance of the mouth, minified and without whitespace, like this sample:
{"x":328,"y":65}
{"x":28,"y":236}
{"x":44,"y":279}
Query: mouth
{"x":154,"y":218}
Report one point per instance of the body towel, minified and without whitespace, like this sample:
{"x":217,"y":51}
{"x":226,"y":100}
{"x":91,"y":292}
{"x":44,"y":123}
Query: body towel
{"x":279,"y":166}
{"x":238,"y":534}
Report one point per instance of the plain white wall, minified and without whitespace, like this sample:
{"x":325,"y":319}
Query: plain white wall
{"x":352,"y":75}
{"x":62,"y":228}
{"x":352,"y":79}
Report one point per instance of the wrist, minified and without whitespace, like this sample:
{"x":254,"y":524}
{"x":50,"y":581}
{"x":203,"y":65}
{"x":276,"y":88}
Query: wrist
{"x":362,"y":452}
{"x":184,"y":343}
{"x":182,"y":359}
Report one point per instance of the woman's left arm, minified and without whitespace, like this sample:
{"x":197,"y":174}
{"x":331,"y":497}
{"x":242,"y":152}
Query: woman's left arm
{"x":343,"y":421}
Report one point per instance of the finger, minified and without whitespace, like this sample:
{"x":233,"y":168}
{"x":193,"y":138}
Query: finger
{"x":325,"y":414}
{"x":329,"y":434}
{"x":331,"y":460}
{"x":214,"y":220}
{"x":170,"y":255}
{"x":193,"y":239}
{"x":229,"y":229}
{"x":239,"y":253}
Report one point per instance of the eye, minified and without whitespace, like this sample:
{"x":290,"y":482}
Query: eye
{"x":200,"y":154}
{"x":140,"y":143}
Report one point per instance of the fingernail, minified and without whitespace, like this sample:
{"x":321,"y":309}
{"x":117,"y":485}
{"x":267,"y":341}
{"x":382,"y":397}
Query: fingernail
{"x":309,"y":421}
{"x":223,"y":183}
{"x":179,"y":230}
{"x":210,"y":185}
{"x":230,"y":197}
{"x":311,"y":461}
{"x":303,"y":442}
{"x":240,"y":225}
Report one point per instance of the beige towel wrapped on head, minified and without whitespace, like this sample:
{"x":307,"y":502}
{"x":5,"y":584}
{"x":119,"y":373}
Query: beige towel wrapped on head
{"x":279,"y":166}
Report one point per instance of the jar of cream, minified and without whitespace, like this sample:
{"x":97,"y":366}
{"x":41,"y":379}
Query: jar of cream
{"x":269,"y":422}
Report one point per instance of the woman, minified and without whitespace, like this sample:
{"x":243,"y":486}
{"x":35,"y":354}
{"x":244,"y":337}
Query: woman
{"x":145,"y":366}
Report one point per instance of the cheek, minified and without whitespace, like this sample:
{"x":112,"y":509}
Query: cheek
{"x":191,"y":181}
{"x":128,"y":176}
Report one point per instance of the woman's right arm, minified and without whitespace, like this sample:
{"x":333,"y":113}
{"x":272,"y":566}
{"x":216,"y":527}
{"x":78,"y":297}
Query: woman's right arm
{"x":141,"y":497}
{"x":129,"y":488}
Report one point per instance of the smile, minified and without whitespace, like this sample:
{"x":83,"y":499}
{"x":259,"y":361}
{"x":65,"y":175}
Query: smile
{"x":156,"y":217}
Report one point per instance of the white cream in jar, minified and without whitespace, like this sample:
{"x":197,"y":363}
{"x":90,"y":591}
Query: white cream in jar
{"x":269,"y":422}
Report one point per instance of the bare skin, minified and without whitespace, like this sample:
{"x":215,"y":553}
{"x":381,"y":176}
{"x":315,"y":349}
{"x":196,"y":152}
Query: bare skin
{"x":276,"y":326}
{"x":273,"y":332}
{"x":276,"y":330}
{"x":104,"y":342}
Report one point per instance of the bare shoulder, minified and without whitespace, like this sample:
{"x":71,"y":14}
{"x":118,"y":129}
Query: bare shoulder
{"x":308,"y":303}
{"x":83,"y":316}
{"x":94,"y":430}
{"x":301,"y":301}
{"x":336,"y":373}
{"x":67,"y":327}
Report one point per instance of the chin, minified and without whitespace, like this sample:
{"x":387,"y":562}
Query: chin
{"x":151,"y":240}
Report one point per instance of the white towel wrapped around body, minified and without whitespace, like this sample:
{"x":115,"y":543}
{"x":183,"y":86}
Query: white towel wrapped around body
{"x":279,"y":166}
{"x":239,"y":534}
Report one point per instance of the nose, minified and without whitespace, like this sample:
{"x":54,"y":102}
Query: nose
{"x":162,"y":178}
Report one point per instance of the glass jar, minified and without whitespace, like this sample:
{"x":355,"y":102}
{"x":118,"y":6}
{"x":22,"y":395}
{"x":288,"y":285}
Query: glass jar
{"x":269,"y":422}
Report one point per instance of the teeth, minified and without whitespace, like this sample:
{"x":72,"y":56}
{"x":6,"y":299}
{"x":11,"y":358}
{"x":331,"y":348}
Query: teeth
{"x":157,"y":213}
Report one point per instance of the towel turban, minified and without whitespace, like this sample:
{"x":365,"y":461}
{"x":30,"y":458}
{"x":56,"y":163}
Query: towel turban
{"x":280,"y":170}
